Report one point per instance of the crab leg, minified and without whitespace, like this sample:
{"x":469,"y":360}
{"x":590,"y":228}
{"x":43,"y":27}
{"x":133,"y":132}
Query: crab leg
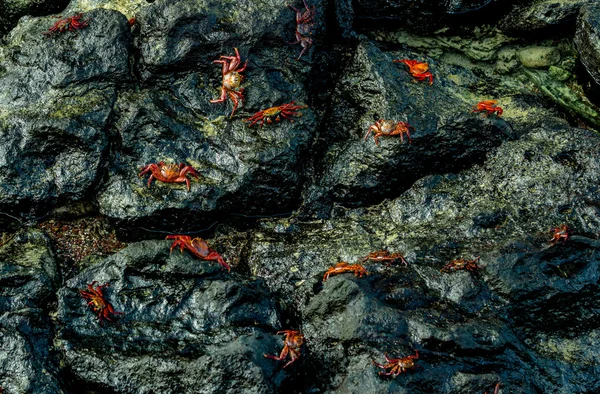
{"x":222,"y":98}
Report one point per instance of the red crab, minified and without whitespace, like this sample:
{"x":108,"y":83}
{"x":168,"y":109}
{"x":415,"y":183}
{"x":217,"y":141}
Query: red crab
{"x":282,"y":111}
{"x":496,"y":389}
{"x":131,"y":21}
{"x":169,"y":173}
{"x":72,"y":23}
{"x":342,"y":267}
{"x":563,"y":232}
{"x":389,"y":128}
{"x":97,"y":301}
{"x":384,"y":255}
{"x":198,"y":247}
{"x":232,"y":79}
{"x":462,"y":264}
{"x":419,"y":70}
{"x":488,"y":106}
{"x":397,"y":365}
{"x":292,"y":344}
{"x":304,"y":25}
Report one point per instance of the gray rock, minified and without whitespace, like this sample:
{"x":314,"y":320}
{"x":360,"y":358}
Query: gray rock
{"x":244,"y":170}
{"x":186,"y":326}
{"x":56,"y":98}
{"x":447,"y":135}
{"x":587,"y":38}
{"x":539,"y":56}
{"x":534,"y":15}
{"x":28,"y":282}
{"x":12,"y":10}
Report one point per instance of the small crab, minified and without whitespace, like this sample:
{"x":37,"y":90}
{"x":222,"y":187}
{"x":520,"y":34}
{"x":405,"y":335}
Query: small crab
{"x":389,"y":128}
{"x":232,"y":79}
{"x":397,"y":365}
{"x":169,"y":173}
{"x":198,"y":247}
{"x":304,"y":25}
{"x":384,"y":255}
{"x":292,"y":344}
{"x":282,"y":111}
{"x":342,"y":267}
{"x":72,"y":23}
{"x":496,"y":389}
{"x":563,"y":232}
{"x":98,"y":302}
{"x":462,"y":264}
{"x":419,"y":70}
{"x":488,"y":106}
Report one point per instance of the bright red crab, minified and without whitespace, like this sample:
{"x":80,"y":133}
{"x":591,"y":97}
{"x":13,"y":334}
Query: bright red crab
{"x":488,"y":106}
{"x":419,"y":70}
{"x":563,"y":232}
{"x":232,"y":79}
{"x":397,"y":366}
{"x":292,"y":344}
{"x":462,"y":264}
{"x":304,"y":26}
{"x":98,"y":302}
{"x":384,"y":255}
{"x":198,"y":247}
{"x":275,"y":113}
{"x":72,"y":23}
{"x":169,"y":173}
{"x":342,"y":267}
{"x":389,"y":128}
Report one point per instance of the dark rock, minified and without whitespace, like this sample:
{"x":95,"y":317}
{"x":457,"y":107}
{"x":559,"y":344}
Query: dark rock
{"x":447,"y":136}
{"x":531,"y":16}
{"x":419,"y":15}
{"x":12,"y":10}
{"x":244,"y":170}
{"x":28,"y":282}
{"x":587,"y":39}
{"x":56,"y":103}
{"x":472,"y":330}
{"x":186,"y":324}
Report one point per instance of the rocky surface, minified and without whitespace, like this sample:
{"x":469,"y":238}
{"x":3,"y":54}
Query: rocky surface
{"x":29,"y":280}
{"x":185,"y":324}
{"x":12,"y":10}
{"x":587,"y":39}
{"x":56,"y":102}
{"x":82,"y":111}
{"x":532,"y":16}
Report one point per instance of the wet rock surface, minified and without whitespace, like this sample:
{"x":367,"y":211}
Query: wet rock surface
{"x":185,"y":324}
{"x":587,"y":39}
{"x":28,"y":282}
{"x":82,"y":111}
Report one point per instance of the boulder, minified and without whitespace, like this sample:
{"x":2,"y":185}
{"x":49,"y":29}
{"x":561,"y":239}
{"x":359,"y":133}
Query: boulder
{"x":56,"y":98}
{"x":185,"y":324}
{"x":28,"y":282}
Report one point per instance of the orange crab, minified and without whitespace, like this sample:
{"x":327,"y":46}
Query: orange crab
{"x":488,"y":106}
{"x":169,"y":173}
{"x":292,"y":344}
{"x":563,"y":232}
{"x":98,"y":302}
{"x":384,"y":255}
{"x":462,"y":264}
{"x":397,"y":365}
{"x":72,"y":23}
{"x":276,"y":113}
{"x":232,"y":79}
{"x":304,"y":26}
{"x":198,"y":247}
{"x":389,"y":128}
{"x":342,"y":267}
{"x":419,"y":70}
